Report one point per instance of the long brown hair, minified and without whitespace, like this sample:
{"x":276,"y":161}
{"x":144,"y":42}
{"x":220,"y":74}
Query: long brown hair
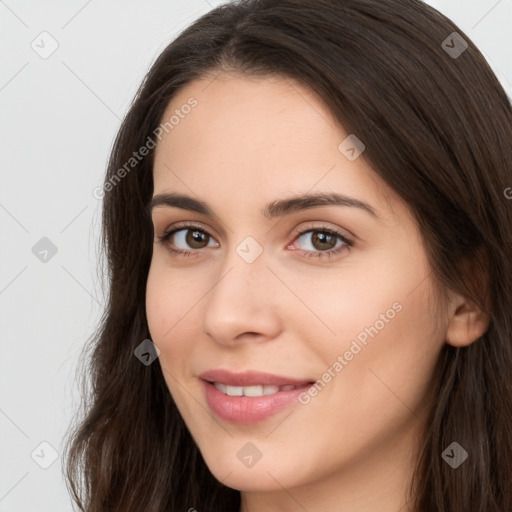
{"x":437,"y":127}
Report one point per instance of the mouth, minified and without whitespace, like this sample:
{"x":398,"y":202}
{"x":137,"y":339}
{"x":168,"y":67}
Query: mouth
{"x":266,"y":389}
{"x":250,"y":397}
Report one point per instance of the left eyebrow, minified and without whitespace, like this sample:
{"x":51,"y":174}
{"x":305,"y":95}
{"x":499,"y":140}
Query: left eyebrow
{"x":305,"y":202}
{"x":272,"y":210}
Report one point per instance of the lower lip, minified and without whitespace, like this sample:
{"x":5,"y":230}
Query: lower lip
{"x":249,"y":409}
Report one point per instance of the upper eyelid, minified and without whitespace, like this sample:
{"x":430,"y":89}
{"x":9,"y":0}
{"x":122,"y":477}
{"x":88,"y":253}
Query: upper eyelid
{"x":186,"y":225}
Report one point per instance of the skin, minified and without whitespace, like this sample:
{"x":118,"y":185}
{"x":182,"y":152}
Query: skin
{"x":248,"y":142}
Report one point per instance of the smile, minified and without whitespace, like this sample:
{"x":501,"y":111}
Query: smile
{"x":249,"y":397}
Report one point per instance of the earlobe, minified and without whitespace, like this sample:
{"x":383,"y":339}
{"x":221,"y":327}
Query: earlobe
{"x":467,"y":324}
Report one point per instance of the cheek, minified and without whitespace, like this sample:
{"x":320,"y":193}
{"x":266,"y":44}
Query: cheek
{"x":387,"y":339}
{"x":170,"y":296}
{"x":170,"y":313}
{"x":387,"y":367}
{"x":170,"y":317}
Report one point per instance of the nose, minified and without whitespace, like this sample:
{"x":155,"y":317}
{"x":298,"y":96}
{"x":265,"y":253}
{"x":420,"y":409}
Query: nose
{"x":243,"y":304}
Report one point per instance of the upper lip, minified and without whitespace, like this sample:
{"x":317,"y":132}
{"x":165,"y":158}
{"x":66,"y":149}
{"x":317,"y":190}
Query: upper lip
{"x":250,"y":378}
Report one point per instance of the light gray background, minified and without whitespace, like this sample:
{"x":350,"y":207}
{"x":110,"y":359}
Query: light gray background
{"x":58,"y":118}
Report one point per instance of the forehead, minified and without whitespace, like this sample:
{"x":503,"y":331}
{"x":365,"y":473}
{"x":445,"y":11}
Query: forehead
{"x":261,"y":137}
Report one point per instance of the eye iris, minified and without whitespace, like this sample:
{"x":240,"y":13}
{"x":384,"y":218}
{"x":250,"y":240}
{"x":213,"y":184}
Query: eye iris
{"x":322,"y":238}
{"x":195,"y":237}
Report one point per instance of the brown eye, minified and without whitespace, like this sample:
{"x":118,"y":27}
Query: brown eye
{"x":323,"y":241}
{"x":186,"y":239}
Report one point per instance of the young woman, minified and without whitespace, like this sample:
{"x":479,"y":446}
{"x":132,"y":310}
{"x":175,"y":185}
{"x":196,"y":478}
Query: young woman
{"x":307,"y":223}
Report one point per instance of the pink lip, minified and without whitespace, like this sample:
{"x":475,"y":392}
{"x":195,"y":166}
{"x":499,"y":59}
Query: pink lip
{"x":250,"y":378}
{"x":246,"y":409}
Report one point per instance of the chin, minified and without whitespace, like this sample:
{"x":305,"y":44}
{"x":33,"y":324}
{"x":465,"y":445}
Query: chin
{"x":269,"y":473}
{"x":252,"y":479}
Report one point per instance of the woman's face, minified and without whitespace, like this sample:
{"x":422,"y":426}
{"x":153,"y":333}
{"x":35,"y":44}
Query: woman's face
{"x":344,"y":304}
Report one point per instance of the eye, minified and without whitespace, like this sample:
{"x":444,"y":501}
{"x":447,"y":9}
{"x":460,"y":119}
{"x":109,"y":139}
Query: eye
{"x":193,"y":236}
{"x":324,"y":242}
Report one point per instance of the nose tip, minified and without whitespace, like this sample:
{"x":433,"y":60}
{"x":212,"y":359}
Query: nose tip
{"x":241,"y":306}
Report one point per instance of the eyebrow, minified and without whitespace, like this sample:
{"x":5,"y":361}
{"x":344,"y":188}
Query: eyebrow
{"x":272,"y":210}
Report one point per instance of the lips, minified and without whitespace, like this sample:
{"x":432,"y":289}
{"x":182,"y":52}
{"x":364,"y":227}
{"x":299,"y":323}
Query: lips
{"x":249,"y":397}
{"x":251,"y":378}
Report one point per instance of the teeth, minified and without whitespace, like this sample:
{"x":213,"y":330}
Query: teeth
{"x":234,"y":391}
{"x":251,"y":390}
{"x":221,"y":387}
{"x":270,"y":390}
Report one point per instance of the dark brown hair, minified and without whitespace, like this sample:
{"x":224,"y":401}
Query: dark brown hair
{"x":437,"y":128}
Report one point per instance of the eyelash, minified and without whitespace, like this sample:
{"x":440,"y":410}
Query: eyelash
{"x":165,"y":237}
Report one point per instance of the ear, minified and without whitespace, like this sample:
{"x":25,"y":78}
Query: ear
{"x":467,"y":322}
